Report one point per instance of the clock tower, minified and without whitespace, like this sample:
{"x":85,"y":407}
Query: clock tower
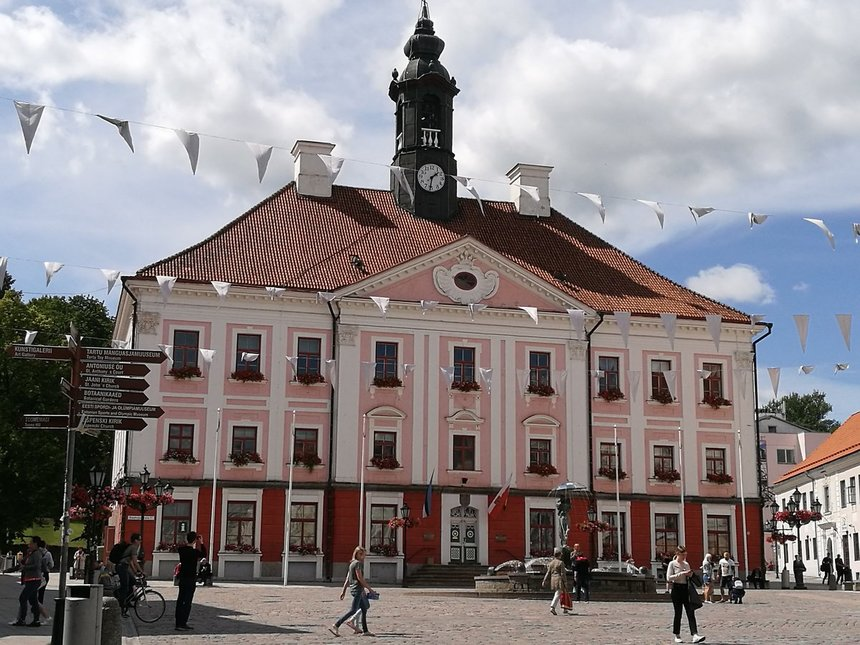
{"x":424,"y":93}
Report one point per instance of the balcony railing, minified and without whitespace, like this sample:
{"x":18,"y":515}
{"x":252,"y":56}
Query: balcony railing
{"x":430,"y":137}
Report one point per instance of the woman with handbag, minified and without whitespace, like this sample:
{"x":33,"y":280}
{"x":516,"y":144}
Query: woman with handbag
{"x":556,"y":576}
{"x":359,"y":589}
{"x":678,"y":573}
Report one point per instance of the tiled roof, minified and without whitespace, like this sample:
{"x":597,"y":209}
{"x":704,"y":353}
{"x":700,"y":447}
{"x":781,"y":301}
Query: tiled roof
{"x":843,"y":441}
{"x":305,"y":243}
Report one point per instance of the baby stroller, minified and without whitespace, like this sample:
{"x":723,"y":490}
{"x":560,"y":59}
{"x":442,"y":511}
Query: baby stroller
{"x":738,"y":592}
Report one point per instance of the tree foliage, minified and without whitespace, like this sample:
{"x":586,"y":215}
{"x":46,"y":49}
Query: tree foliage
{"x":806,"y":410}
{"x":32,"y":462}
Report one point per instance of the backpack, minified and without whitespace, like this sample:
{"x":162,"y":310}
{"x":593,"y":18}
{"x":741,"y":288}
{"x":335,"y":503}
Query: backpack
{"x":117,"y":552}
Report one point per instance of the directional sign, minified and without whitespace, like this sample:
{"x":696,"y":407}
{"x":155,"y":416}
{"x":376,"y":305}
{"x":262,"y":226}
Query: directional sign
{"x":40,"y":352}
{"x":45,"y":422}
{"x":114,"y":396}
{"x":115,"y":369}
{"x":112,"y":423}
{"x":123,"y":355}
{"x":121,"y":410}
{"x":99,"y":382}
{"x":68,"y":390}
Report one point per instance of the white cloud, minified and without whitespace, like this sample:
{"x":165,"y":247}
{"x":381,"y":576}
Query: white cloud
{"x":741,"y":283}
{"x":800,"y":286}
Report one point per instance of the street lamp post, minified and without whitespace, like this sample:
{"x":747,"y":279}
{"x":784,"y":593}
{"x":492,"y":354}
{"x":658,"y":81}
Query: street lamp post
{"x":160,"y":489}
{"x":404,"y":515}
{"x":796,"y":517}
{"x":97,"y":478}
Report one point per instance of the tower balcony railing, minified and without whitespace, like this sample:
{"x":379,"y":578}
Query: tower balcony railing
{"x":430,"y":137}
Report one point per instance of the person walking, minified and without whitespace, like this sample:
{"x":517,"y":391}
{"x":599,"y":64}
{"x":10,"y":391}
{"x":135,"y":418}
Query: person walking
{"x":556,"y":577}
{"x":79,"y":563}
{"x":190,"y":555}
{"x":678,"y":573}
{"x":840,"y":570}
{"x":359,"y":589}
{"x":31,"y":577}
{"x":799,"y":568}
{"x":47,"y":565}
{"x":826,"y":568}
{"x":127,"y":568}
{"x":707,"y":578}
{"x":582,"y":571}
{"x":727,"y":575}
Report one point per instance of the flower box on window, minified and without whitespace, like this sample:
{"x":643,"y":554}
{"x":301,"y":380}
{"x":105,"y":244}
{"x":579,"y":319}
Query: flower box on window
{"x":609,"y":473}
{"x":189,"y":371}
{"x":308,"y":460}
{"x":595,"y":526}
{"x":385,"y":463}
{"x":241,"y":548}
{"x":305,"y":549}
{"x":388,"y":550}
{"x":667,"y":476}
{"x":181,"y":456}
{"x":541,"y":390}
{"x":716,"y":402}
{"x":248,"y":376}
{"x":466,"y":386}
{"x":719,"y":478}
{"x":540,"y":553}
{"x":167,"y":547}
{"x":662,"y":396}
{"x":244,"y":457}
{"x":310,"y":378}
{"x":611,"y":394}
{"x":544,"y":470}
{"x":387,"y":381}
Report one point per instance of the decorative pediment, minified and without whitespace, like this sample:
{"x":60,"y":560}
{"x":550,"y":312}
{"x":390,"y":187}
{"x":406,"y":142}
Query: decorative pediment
{"x":463,"y":417}
{"x":386,"y":412}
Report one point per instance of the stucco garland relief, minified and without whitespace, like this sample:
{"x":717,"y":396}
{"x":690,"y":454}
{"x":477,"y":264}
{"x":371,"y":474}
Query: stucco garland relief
{"x":148,"y":322}
{"x":578,"y":349}
{"x":743,"y":359}
{"x":486,"y":283}
{"x":346,"y":335}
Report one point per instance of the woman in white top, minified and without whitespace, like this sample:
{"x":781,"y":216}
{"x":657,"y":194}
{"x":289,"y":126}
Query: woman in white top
{"x":707,"y":577}
{"x":678,"y":573}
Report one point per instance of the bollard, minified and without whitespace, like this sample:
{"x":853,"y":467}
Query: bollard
{"x":785,"y":579}
{"x":111,"y":622}
{"x":831,"y":582}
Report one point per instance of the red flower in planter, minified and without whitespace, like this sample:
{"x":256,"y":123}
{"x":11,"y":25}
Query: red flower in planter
{"x":541,"y":390}
{"x":667,"y":476}
{"x":544,"y":470}
{"x":611,"y":394}
{"x":466,"y":386}
{"x":716,"y":402}
{"x":720,"y":478}
{"x":385,"y":463}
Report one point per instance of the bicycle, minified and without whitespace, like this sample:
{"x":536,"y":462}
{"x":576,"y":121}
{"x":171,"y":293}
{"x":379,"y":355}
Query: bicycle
{"x":148,"y":603}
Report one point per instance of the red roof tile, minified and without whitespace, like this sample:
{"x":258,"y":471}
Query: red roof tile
{"x":843,"y":441}
{"x":290,"y":240}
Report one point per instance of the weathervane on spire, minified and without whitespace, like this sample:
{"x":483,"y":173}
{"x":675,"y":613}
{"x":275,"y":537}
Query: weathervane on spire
{"x":425,"y":10}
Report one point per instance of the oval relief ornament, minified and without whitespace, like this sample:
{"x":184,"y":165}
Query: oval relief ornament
{"x":465,"y":283}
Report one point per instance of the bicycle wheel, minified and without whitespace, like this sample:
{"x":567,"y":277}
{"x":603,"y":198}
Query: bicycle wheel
{"x":149,"y":606}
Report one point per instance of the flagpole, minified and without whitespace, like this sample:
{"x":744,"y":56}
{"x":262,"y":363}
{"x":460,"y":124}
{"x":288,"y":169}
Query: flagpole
{"x":743,"y":505}
{"x":617,"y":493}
{"x":289,"y":515}
{"x":217,"y":450}
{"x":361,"y":487}
{"x":683,"y":523}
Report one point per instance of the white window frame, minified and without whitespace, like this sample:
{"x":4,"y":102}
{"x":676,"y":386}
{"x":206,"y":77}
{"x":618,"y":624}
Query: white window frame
{"x":537,"y":503}
{"x":241,"y":495}
{"x":663,"y":508}
{"x":540,"y":426}
{"x":183,"y":494}
{"x":653,"y":443}
{"x":620,"y":357}
{"x":234,"y":340}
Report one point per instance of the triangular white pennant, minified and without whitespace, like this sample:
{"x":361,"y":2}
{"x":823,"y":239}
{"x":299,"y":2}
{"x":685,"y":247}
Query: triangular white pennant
{"x":487,"y":377}
{"x":532,"y":312}
{"x":207,"y":355}
{"x":29,"y":115}
{"x":669,"y":322}
{"x":756,"y":319}
{"x":577,"y":322}
{"x":221,"y":288}
{"x":331,"y":372}
{"x":475,"y":308}
{"x":820,"y":224}
{"x":622,"y":319}
{"x":756,"y":218}
{"x":699,"y":212}
{"x":333,"y":165}
{"x":262,"y":154}
{"x":806,"y":369}
{"x":773,"y":372}
{"x":559,"y":378}
{"x":856,"y":230}
{"x":714,"y":321}
{"x":191,"y":141}
{"x":531,"y":191}
{"x":50,"y":269}
{"x":467,"y":184}
{"x":597,"y":200}
{"x":249,"y":357}
{"x":368,"y":372}
{"x":117,"y":343}
{"x":704,"y":373}
{"x":165,"y":283}
{"x":408,"y":368}
{"x":840,"y":367}
{"x":168,"y":351}
{"x":634,"y":377}
{"x":3,"y":263}
{"x":598,"y":373}
{"x":400,"y":175}
{"x":427,"y":305}
{"x":294,"y":363}
{"x":111,"y":275}
{"x":801,"y":321}
{"x":274,"y":292}
{"x":382,"y":303}
{"x":655,"y":206}
{"x":29,"y":337}
{"x":523,"y":379}
{"x":325,"y":296}
{"x":671,"y":377}
{"x":122,"y":126}
{"x":844,"y":322}
{"x":448,"y":373}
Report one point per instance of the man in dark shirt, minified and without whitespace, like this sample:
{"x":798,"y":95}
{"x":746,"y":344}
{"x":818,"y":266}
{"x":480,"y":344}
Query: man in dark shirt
{"x":189,"y":555}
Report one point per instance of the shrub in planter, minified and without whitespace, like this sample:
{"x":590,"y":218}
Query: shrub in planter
{"x":248,"y":376}
{"x":241,"y":548}
{"x":716,"y":402}
{"x":385,"y":463}
{"x":189,"y":371}
{"x":244,"y":457}
{"x":310,"y":378}
{"x":308,"y":460}
{"x":540,"y":390}
{"x":466,"y":386}
{"x":668,"y":476}
{"x":181,"y":456}
{"x":544,"y":470}
{"x":720,"y":478}
{"x":611,"y":394}
{"x":304,"y":549}
{"x":609,"y":472}
{"x":662,"y":396}
{"x":384,"y":549}
{"x":387,"y":381}
{"x":167,"y":547}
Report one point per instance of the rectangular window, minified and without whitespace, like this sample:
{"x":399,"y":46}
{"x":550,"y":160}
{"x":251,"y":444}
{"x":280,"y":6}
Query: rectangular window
{"x":306,"y":442}
{"x":715,"y":461}
{"x":771,"y":429}
{"x":541,"y":532}
{"x":309,"y":356}
{"x":607,"y":454}
{"x":665,"y":532}
{"x":803,"y":501}
{"x":248,"y":345}
{"x":241,"y":517}
{"x":807,"y":548}
{"x":185,"y":346}
{"x":827,"y":499}
{"x":303,"y":526}
{"x":713,"y":384}
{"x":464,"y":364}
{"x":610,"y":537}
{"x":659,"y":387}
{"x":244,"y":439}
{"x":180,"y":438}
{"x":384,"y":444}
{"x":785,"y":456}
{"x":664,"y":459}
{"x":718,"y":533}
{"x":464,"y":452}
{"x":386,"y":360}
{"x":540,"y":452}
{"x":610,"y":380}
{"x":383,"y":540}
{"x":175,"y":521}
{"x":539,"y":368}
{"x":852,"y":491}
{"x":843,"y":494}
{"x":857,"y":546}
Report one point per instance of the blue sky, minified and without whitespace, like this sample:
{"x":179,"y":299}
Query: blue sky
{"x":738,"y":106}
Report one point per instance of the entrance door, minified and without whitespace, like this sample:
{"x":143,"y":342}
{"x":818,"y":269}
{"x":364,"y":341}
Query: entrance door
{"x":463,"y":534}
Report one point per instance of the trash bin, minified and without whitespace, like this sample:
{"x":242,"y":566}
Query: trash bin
{"x":82,"y":616}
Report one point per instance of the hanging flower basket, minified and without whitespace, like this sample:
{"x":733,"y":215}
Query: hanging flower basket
{"x":403,"y":523}
{"x":609,"y":473}
{"x":147,"y":500}
{"x":720,"y":478}
{"x":662,"y":396}
{"x":385,"y":463}
{"x":248,"y":376}
{"x":241,"y":548}
{"x":308,"y":460}
{"x":387,"y":381}
{"x":244,"y":457}
{"x":310,"y":378}
{"x":309,"y":548}
{"x":541,"y":390}
{"x":594,"y":527}
{"x":181,"y":456}
{"x":388,"y":550}
{"x":716,"y":402}
{"x":797,"y":517}
{"x":667,"y":476}
{"x":611,"y":394}
{"x":780,"y":538}
{"x":189,"y":371}
{"x":544,"y":470}
{"x":96,"y":504}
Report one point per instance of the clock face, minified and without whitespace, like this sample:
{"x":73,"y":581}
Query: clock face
{"x":431,"y":177}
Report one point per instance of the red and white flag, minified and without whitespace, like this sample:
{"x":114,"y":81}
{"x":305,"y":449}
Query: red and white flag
{"x":500,"y":501}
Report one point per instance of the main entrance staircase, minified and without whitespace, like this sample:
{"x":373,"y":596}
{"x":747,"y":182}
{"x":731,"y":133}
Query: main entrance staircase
{"x":453,"y":576}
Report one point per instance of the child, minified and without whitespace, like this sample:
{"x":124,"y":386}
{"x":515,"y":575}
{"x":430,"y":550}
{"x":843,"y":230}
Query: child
{"x":738,"y":592}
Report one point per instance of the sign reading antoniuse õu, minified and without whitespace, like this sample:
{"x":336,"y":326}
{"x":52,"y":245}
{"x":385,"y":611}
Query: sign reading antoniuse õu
{"x":115,"y":369}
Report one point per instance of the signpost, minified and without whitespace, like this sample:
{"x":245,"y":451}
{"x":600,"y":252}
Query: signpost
{"x":90,"y":381}
{"x":113,"y":396}
{"x":122,"y":355}
{"x":112,"y":423}
{"x":45,"y":422}
{"x":121,"y":410}
{"x":39,"y":352}
{"x":115,"y":369}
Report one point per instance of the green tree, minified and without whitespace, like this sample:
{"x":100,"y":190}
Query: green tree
{"x":32,"y":462}
{"x":807,"y":410}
